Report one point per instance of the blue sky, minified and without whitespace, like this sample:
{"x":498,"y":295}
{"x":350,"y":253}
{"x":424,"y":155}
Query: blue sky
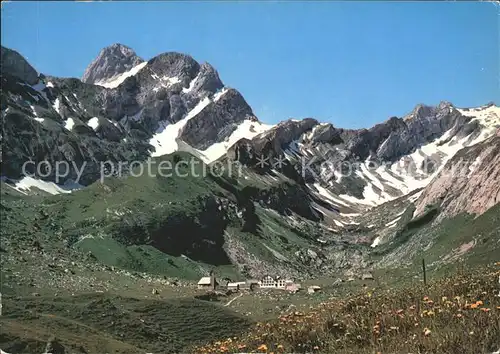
{"x":350,"y":63}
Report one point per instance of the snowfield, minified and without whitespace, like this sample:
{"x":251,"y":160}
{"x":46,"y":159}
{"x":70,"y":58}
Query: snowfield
{"x":27,"y":183}
{"x":247,"y":129}
{"x":69,"y":123}
{"x":165,"y":141}
{"x":405,"y":179}
{"x":93,"y":123}
{"x":117,"y":80}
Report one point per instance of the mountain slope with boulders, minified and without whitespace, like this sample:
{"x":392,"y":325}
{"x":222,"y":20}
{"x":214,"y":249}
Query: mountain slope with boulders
{"x":297,"y":198}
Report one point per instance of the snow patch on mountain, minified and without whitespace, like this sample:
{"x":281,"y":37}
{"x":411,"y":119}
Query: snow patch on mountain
{"x":376,"y":242}
{"x":171,"y":80}
{"x":368,"y":175}
{"x":474,"y":166}
{"x":191,"y":84}
{"x":246,"y":129}
{"x":27,"y":183}
{"x":488,"y":116}
{"x":357,"y":201}
{"x":338,"y":223}
{"x":372,"y":196}
{"x":219,"y":94}
{"x":117,"y":80}
{"x":393,"y":223}
{"x":165,"y":81}
{"x":165,"y":141}
{"x":93,"y":123}
{"x":57,"y":105}
{"x":69,"y":123}
{"x":320,"y":191}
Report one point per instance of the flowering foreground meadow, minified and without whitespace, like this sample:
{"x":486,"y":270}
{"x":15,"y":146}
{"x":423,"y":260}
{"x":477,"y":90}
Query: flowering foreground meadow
{"x":459,"y":314}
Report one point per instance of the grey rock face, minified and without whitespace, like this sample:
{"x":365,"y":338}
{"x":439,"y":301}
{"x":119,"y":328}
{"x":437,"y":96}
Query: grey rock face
{"x":423,"y":125}
{"x":468,"y":183}
{"x":177,"y":108}
{"x":324,"y":133}
{"x":283,"y":134}
{"x":14,"y":64}
{"x":111,"y":61}
{"x":170,"y":65}
{"x":217,"y":121}
{"x":207,"y":80}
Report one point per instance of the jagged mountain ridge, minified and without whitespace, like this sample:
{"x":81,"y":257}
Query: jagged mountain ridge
{"x":385,"y":162}
{"x":171,"y":103}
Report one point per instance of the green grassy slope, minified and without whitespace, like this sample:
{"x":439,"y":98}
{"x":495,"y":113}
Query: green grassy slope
{"x":464,"y":239}
{"x":98,"y":323}
{"x":174,"y":225}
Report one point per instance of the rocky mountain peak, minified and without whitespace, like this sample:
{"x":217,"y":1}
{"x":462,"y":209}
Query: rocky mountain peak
{"x":208,"y":79}
{"x":173,"y":64}
{"x":14,"y":64}
{"x":111,"y":61}
{"x":424,"y":112}
{"x":420,"y":111}
{"x":445,"y":104}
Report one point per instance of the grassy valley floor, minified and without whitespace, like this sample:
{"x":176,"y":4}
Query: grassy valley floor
{"x":454,"y":314}
{"x":458,"y":314}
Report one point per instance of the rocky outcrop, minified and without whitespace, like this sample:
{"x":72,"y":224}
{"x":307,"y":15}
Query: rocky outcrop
{"x":323,"y":133}
{"x":54,"y":347}
{"x":14,"y":64}
{"x":282,"y":135}
{"x":111,"y":61}
{"x":272,"y":145}
{"x":469,"y":183}
{"x":217,"y":121}
{"x":207,"y":81}
{"x":421,"y":126}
